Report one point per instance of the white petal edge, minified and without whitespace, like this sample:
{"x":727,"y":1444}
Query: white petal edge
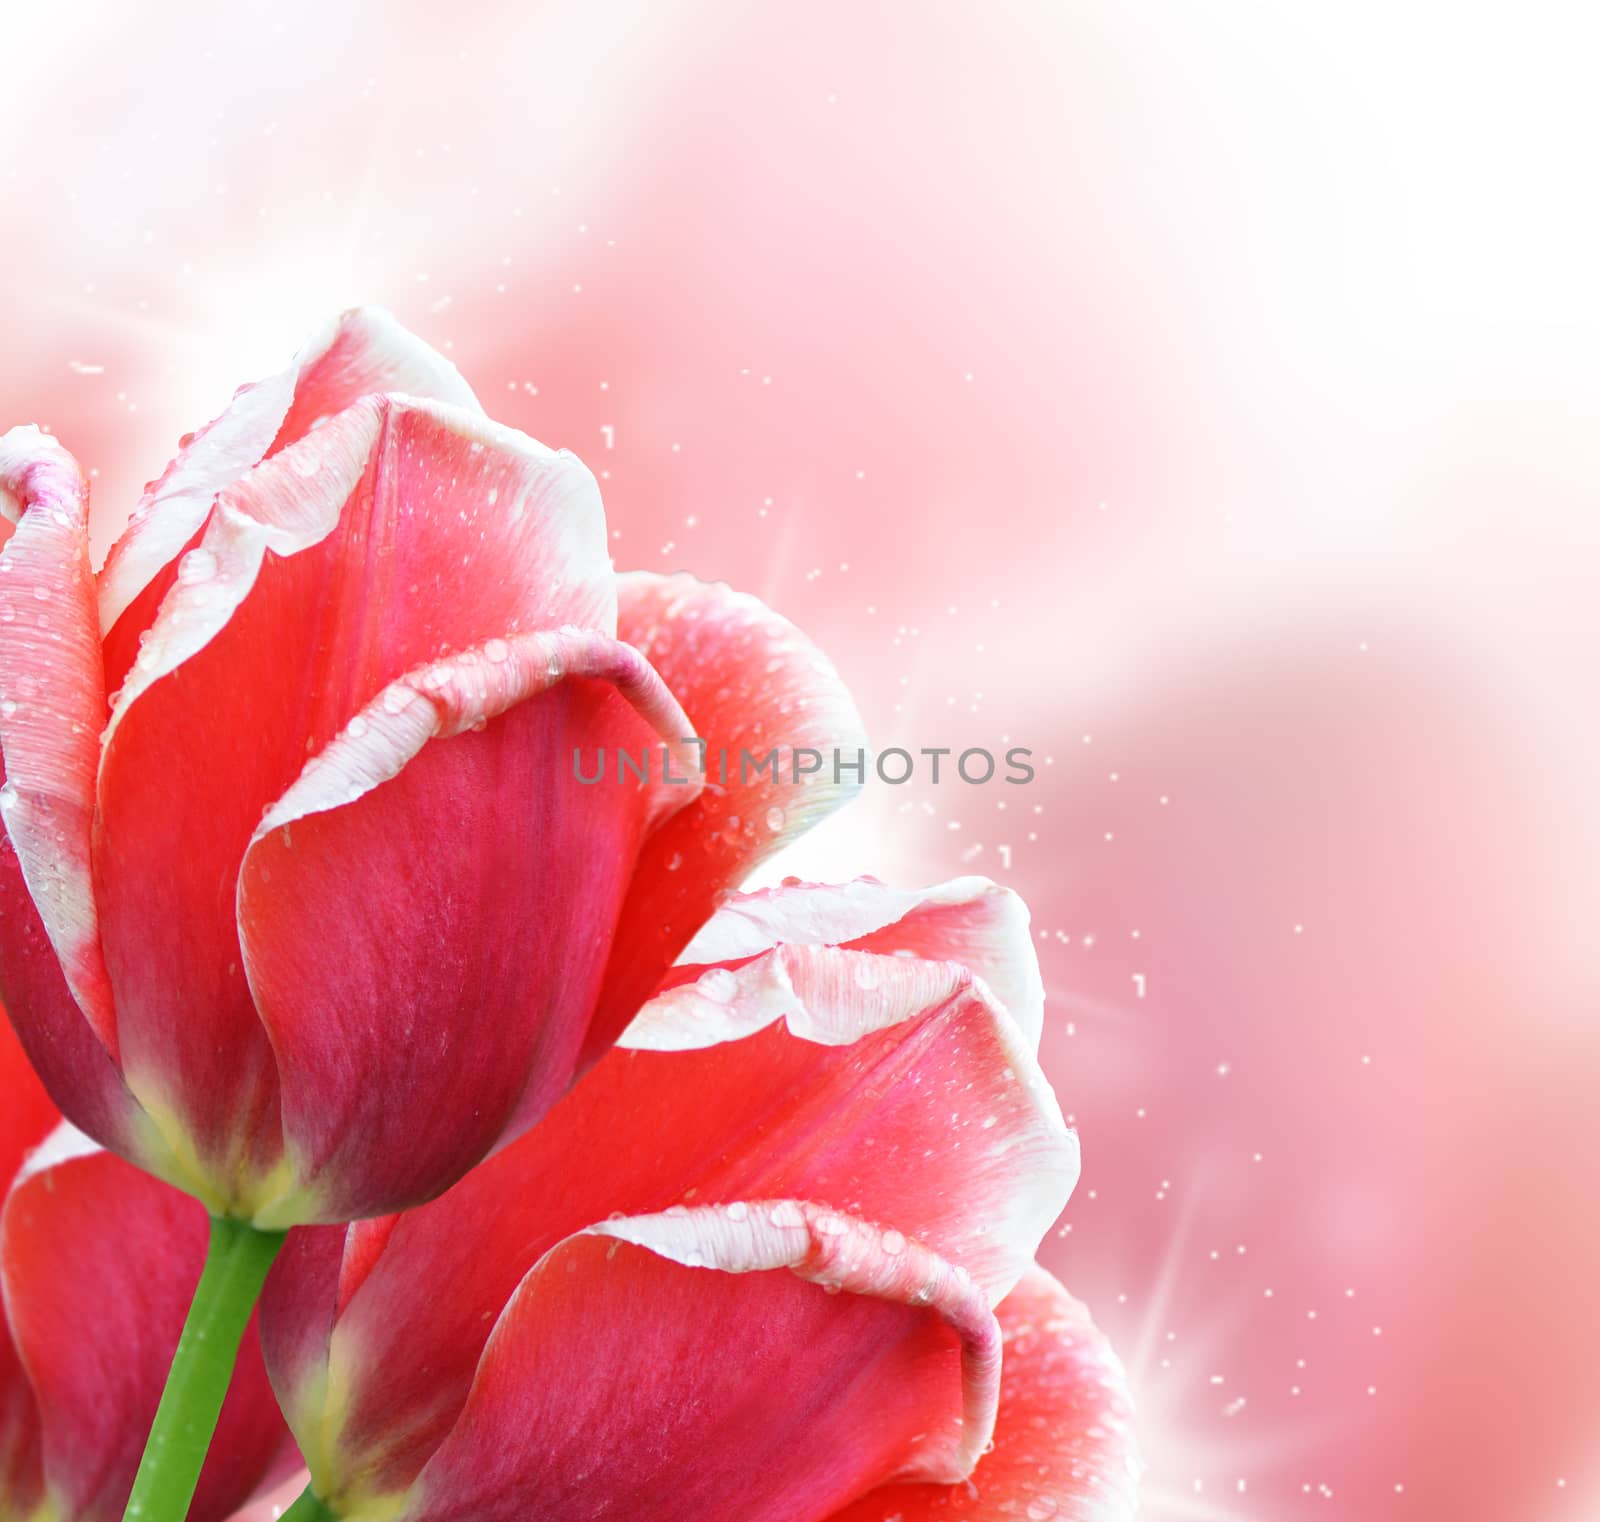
{"x":309,"y":484}
{"x":176,"y":504}
{"x":831,"y":914}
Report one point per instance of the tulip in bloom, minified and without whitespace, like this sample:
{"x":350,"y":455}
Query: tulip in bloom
{"x":747,"y":1269}
{"x":97,"y":1261}
{"x":307,"y":911}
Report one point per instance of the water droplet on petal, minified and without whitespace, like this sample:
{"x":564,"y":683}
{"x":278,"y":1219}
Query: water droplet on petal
{"x":197,"y":566}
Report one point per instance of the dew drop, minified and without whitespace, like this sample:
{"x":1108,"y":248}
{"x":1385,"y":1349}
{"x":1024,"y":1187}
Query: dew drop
{"x":497,"y":650}
{"x":197,"y":566}
{"x":719,"y":985}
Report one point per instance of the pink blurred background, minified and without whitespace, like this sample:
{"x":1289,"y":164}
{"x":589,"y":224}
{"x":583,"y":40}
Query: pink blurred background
{"x":1204,"y":397}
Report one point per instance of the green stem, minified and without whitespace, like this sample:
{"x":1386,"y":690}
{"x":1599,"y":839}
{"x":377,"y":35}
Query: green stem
{"x":237,"y":1261}
{"x":307,"y":1508}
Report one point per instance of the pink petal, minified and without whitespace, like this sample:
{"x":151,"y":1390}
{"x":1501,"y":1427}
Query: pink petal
{"x":748,"y":679}
{"x":52,"y":704}
{"x":924,"y":1105}
{"x":970,"y":920}
{"x":425,"y":925}
{"x":397,"y":531}
{"x":750,"y":1362}
{"x":887,"y":1087}
{"x":1064,"y":1444}
{"x":361,"y":352}
{"x":52,"y":974}
{"x":98,"y":1262}
{"x":64,"y":1051}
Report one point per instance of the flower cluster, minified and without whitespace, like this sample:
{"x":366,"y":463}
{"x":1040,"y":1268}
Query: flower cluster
{"x":581,"y":1184}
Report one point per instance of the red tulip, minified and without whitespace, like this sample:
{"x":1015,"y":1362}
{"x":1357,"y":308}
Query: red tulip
{"x":312,"y":912}
{"x":746,"y":1269}
{"x":97,"y":1261}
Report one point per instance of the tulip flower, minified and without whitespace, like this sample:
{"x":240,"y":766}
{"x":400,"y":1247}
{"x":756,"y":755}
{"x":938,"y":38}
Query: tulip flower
{"x":308,"y":910}
{"x":746,"y":1269}
{"x":97,"y":1261}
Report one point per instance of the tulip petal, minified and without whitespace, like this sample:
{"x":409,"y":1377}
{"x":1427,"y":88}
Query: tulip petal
{"x":64,"y":1051}
{"x":444,"y":967}
{"x":98,"y":1262}
{"x":1064,"y":1445}
{"x":21,"y":1458}
{"x":52,"y":974}
{"x":394,"y":532}
{"x":361,"y":352}
{"x":735,"y":1364}
{"x":28,"y":1115}
{"x":892,"y":1089}
{"x":52,"y":704}
{"x":969,"y":920}
{"x":922,"y":1104}
{"x":749,"y":681}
